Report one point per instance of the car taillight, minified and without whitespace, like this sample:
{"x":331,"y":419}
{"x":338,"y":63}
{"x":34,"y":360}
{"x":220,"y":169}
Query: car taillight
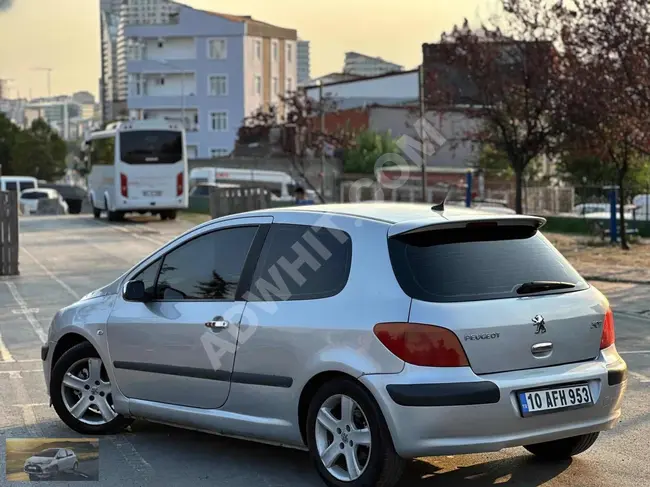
{"x":608,"y":337}
{"x":124,"y":188}
{"x":425,"y":345}
{"x":179,"y":184}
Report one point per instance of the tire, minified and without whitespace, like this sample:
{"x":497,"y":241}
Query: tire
{"x":563,"y":449}
{"x":383,"y":467}
{"x":74,"y":206}
{"x":168,"y":215}
{"x":97,"y":212}
{"x":70,"y":357}
{"x":113,"y":216}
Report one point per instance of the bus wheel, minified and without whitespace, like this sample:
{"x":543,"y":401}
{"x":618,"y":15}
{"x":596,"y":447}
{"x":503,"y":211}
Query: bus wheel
{"x":96,"y":212}
{"x":168,"y":215}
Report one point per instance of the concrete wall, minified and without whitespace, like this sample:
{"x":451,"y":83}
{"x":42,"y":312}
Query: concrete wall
{"x":454,"y":126}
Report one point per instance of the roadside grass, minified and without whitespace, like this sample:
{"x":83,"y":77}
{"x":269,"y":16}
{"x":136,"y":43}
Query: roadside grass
{"x":584,"y":251}
{"x":194,"y":218}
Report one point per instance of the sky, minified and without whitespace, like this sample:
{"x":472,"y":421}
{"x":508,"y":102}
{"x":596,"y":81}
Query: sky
{"x":64,"y":34}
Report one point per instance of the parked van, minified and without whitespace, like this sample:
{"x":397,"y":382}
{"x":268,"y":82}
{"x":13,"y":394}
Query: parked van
{"x":17,"y":183}
{"x":279,"y":183}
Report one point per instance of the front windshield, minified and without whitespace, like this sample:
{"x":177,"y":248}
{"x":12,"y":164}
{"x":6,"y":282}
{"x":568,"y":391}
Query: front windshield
{"x":50,"y":452}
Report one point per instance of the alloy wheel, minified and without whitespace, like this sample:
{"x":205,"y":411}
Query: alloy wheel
{"x":343,"y":438}
{"x":87,"y":393}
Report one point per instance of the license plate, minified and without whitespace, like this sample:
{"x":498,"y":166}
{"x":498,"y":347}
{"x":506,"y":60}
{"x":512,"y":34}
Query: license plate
{"x":152,"y":193}
{"x":557,"y":398}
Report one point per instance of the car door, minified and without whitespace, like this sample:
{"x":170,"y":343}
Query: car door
{"x":178,"y":347}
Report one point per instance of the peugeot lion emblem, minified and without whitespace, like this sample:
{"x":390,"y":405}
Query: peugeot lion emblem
{"x":538,"y":321}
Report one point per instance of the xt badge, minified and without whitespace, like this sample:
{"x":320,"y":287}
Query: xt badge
{"x":540,"y":325}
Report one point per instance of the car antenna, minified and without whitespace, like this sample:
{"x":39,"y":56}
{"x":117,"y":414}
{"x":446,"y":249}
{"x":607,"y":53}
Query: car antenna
{"x":441,"y":206}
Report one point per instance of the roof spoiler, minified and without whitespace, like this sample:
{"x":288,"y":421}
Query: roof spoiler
{"x":428,"y":224}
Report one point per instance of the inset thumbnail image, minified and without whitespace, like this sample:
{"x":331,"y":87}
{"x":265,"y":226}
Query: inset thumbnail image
{"x":52,"y":459}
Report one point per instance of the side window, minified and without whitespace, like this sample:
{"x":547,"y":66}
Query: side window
{"x":207,"y":267}
{"x":301,"y":262}
{"x":102,"y":152}
{"x":148,"y":276}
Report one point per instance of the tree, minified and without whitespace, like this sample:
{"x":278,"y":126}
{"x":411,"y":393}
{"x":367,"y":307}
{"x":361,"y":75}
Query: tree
{"x":606,"y":99}
{"x":368,"y":146}
{"x":294,"y":125}
{"x":39,"y":152}
{"x":510,"y":83}
{"x":8,"y":133}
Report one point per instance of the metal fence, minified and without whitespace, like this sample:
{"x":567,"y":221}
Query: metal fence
{"x":536,"y":200}
{"x":227,"y":201}
{"x":9,"y":233}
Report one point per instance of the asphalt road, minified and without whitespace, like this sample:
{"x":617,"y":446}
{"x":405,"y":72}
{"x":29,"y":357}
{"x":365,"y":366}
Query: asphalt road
{"x":62,"y":258}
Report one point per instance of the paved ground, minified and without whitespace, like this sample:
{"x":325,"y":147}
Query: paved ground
{"x":63,"y":258}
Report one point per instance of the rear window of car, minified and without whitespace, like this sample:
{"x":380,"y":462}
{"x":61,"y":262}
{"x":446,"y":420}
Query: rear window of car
{"x":34,"y":195}
{"x":472,"y":264}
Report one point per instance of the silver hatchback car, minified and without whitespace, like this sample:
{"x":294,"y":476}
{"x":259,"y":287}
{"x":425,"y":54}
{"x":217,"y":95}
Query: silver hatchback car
{"x":366,"y":333}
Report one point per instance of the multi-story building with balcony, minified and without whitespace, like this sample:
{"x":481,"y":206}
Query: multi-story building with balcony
{"x":206,"y":69}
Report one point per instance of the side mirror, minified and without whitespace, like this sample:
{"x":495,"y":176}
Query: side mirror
{"x":135,"y":291}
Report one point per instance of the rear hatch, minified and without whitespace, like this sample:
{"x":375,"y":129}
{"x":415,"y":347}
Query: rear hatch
{"x":145,"y":184}
{"x":511,"y":298}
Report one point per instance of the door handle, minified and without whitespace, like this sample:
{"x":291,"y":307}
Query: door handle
{"x":217,"y":324}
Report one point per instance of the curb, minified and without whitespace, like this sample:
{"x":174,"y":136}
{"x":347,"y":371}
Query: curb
{"x":616,"y":280}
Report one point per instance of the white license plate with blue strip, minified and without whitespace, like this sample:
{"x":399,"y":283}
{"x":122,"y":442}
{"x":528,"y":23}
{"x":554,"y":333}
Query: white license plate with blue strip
{"x":557,"y":398}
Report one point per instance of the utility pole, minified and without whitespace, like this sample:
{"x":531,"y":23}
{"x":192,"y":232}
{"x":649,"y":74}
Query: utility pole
{"x":422,"y":149}
{"x":322,"y":150}
{"x":49,"y":79}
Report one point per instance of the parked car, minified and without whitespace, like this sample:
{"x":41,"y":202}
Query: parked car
{"x":50,"y":462}
{"x":203,"y":189}
{"x":74,"y":196}
{"x":31,"y":198}
{"x":366,"y":333}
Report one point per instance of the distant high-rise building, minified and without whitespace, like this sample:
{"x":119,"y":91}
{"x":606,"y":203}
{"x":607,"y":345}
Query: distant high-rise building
{"x":361,"y":65}
{"x":304,"y":66}
{"x":113,"y":78}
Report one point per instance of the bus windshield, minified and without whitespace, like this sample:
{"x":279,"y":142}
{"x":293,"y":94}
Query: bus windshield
{"x":151,"y":147}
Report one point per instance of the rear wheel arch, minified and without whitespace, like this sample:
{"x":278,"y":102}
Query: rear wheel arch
{"x":310,"y":389}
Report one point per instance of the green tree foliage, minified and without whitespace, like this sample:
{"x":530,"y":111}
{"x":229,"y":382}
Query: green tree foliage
{"x":37,"y":151}
{"x":369,"y":146}
{"x":496,"y":165}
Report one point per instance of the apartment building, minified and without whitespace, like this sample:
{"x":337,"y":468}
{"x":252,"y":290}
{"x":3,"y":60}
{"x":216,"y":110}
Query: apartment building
{"x":362,"y":65}
{"x":112,"y":83}
{"x":304,"y":62}
{"x":208,"y":70}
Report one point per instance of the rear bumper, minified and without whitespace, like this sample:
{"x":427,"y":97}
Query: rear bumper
{"x":123,"y":204}
{"x":453,"y":411}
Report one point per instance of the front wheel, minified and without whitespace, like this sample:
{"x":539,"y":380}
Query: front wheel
{"x":82,"y":393}
{"x":563,"y":449}
{"x":349,"y":442}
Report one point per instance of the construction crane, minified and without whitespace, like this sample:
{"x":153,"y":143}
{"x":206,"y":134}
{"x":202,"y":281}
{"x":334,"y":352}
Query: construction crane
{"x":49,"y":78}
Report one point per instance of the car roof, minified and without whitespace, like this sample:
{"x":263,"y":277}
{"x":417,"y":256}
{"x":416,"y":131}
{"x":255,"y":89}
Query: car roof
{"x":50,"y":191}
{"x":388,"y":212}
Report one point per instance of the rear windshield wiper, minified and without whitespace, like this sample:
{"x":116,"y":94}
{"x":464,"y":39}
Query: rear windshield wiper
{"x":541,"y":286}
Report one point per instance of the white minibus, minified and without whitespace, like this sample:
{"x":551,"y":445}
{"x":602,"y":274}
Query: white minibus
{"x":138,"y":166}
